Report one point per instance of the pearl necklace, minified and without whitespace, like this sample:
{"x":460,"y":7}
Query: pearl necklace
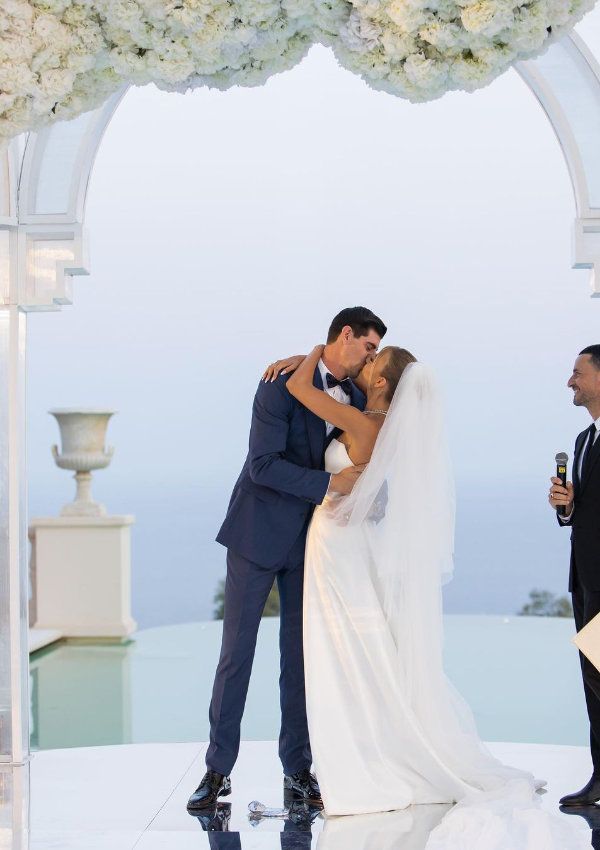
{"x":383,"y":412}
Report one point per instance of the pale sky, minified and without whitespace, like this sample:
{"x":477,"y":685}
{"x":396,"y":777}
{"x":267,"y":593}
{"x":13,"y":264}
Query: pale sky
{"x":226,"y":229}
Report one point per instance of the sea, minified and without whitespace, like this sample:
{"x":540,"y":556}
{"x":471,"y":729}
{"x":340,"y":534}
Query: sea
{"x":507,"y":543}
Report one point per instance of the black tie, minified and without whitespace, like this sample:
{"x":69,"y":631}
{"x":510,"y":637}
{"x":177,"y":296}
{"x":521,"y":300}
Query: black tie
{"x":346,"y":384}
{"x":588,"y":449}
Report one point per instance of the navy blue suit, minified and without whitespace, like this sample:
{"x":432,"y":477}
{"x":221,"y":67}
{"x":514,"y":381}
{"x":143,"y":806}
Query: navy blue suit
{"x":265,"y":534}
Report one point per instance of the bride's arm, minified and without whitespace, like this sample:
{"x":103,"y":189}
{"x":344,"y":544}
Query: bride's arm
{"x":301,"y":386}
{"x":288,"y":364}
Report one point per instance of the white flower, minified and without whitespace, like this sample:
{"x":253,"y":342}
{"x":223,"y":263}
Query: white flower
{"x":330,"y":16}
{"x":17,"y":79}
{"x":397,"y":45}
{"x":446,"y":37}
{"x":54,"y":7}
{"x":15,"y":16}
{"x":360,"y":34}
{"x":59,"y":58}
{"x":426,"y":74}
{"x":488,"y":17}
{"x":468,"y":73}
{"x":407,"y":15}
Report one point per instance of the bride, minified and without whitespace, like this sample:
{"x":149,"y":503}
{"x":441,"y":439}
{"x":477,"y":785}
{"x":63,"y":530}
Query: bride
{"x":387,"y":728}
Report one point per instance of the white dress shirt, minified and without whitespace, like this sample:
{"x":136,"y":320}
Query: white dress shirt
{"x":335,"y":392}
{"x":580,"y":461}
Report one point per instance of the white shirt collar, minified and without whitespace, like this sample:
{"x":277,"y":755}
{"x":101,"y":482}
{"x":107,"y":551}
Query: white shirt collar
{"x":323,"y":370}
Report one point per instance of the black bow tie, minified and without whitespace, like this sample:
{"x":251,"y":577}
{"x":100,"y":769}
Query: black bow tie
{"x":346,"y":384}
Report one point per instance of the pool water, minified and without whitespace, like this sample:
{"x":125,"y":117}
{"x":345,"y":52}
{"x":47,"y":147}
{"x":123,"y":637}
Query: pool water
{"x":519,"y":674}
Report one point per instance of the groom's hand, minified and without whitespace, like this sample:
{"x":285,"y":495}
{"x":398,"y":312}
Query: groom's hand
{"x":343,"y":482}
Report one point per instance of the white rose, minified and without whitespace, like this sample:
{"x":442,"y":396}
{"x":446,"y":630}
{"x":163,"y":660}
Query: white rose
{"x":173,"y":64}
{"x":446,"y":37}
{"x":17,"y":79}
{"x":360,"y":34}
{"x":297,"y":8}
{"x":408,"y":16}
{"x":426,"y":74}
{"x":487,"y":17}
{"x":397,"y":45}
{"x":330,"y":15}
{"x":528,"y":34}
{"x":15,"y":16}
{"x":368,"y":65}
{"x":6,"y":101}
{"x":16,"y":49}
{"x":56,"y":83}
{"x":17,"y":118}
{"x":50,"y":30}
{"x":470,"y":73}
{"x":53,"y":7}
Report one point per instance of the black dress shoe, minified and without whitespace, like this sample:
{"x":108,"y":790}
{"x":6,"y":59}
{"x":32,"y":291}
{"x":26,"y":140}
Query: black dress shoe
{"x":586,"y":797}
{"x":216,"y":819}
{"x":302,"y":786}
{"x":213,"y":785}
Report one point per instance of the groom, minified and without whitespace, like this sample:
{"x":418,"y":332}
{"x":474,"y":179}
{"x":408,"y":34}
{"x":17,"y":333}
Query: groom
{"x":265,"y":533}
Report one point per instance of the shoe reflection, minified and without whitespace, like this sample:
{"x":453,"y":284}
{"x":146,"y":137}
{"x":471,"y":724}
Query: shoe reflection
{"x":215,"y":822}
{"x":215,"y":819}
{"x":591,"y":815}
{"x":297,"y":828}
{"x":472,"y":827}
{"x":296,"y":834}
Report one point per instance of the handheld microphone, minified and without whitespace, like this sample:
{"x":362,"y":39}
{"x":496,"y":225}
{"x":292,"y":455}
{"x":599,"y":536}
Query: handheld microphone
{"x":562,"y":458}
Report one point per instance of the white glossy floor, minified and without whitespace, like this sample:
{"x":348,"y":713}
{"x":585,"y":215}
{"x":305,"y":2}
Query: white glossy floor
{"x":125,"y":797}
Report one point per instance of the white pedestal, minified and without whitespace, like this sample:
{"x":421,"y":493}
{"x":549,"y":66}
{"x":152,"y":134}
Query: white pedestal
{"x":81,"y":575}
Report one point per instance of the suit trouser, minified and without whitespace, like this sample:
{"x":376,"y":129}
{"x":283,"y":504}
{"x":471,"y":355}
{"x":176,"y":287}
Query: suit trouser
{"x":290,"y":838}
{"x":586,"y":604}
{"x":247,"y":587}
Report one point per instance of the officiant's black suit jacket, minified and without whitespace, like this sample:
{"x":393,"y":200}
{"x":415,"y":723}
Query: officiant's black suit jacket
{"x":585,"y":520}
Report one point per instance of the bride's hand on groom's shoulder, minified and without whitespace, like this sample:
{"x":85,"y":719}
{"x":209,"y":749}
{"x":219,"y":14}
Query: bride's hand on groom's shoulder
{"x":283,"y":367}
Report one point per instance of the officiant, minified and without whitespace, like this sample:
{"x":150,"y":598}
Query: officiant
{"x":581,"y":502}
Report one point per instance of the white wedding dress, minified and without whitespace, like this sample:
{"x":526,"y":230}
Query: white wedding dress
{"x":387,"y":729}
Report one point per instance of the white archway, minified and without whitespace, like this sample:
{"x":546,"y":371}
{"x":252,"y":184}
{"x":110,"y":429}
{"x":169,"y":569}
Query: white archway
{"x":43,"y":190}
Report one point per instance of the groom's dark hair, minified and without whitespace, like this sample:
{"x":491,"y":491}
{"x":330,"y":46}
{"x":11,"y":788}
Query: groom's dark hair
{"x":360,"y":319}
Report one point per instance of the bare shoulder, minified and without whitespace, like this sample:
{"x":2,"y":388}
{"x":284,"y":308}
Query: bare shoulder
{"x":365,"y":428}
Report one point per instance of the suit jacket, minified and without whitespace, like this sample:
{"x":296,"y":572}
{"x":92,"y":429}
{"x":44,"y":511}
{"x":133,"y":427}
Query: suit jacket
{"x":585,"y":519}
{"x":283,"y":476}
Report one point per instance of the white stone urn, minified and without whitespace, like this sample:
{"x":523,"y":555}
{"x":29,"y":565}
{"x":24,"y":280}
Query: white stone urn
{"x":83,"y":434}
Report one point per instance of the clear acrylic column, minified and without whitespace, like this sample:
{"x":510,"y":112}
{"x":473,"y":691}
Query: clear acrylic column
{"x":14,"y":659}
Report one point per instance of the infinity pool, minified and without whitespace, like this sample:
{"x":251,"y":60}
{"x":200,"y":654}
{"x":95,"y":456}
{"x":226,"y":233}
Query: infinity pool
{"x":520,"y":675}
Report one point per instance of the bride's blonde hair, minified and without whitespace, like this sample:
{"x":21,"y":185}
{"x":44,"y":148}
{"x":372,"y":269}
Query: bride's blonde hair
{"x":395,"y":363}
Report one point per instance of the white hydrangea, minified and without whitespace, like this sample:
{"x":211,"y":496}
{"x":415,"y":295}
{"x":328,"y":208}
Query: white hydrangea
{"x":426,"y":73}
{"x":360,"y":34}
{"x":59,"y":58}
{"x":488,"y":17}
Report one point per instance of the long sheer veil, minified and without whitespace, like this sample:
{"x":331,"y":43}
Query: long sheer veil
{"x":406,"y":494}
{"x":405,"y":503}
{"x":403,"y":507}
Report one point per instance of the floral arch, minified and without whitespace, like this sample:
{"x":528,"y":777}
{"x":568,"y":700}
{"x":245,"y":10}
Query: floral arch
{"x":44,"y":178}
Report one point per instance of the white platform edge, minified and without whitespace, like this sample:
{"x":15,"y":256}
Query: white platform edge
{"x":39,"y":638}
